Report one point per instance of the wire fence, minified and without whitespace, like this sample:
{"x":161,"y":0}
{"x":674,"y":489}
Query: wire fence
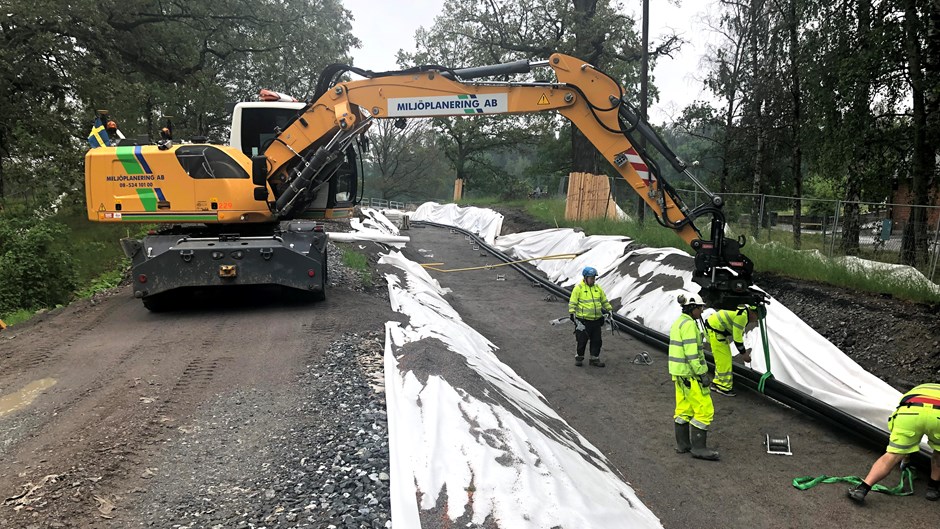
{"x":884,"y":232}
{"x":381,"y":203}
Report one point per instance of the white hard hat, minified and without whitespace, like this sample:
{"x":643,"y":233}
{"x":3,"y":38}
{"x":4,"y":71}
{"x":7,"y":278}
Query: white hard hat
{"x":690,"y":299}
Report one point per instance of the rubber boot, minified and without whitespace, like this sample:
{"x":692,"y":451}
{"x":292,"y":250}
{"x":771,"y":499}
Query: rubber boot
{"x":579,"y":361}
{"x":683,"y":444}
{"x":596,"y":362}
{"x":933,"y":493}
{"x":699,"y":450}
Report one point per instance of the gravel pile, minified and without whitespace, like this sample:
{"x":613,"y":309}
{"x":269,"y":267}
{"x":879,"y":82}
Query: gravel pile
{"x":314,"y":454}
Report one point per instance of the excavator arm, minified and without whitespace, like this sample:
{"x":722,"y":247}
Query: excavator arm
{"x":303,"y":157}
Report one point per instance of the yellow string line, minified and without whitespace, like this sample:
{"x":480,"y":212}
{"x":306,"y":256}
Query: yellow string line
{"x":433,"y":266}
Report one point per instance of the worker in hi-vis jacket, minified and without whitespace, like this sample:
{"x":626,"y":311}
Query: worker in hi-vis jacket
{"x":587,"y":308}
{"x":723,"y":327}
{"x":917,"y":415}
{"x":690,"y":376}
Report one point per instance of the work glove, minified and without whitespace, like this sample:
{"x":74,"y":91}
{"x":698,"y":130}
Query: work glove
{"x":703,"y":380}
{"x":579,"y":326}
{"x":746,"y":355}
{"x":571,"y":317}
{"x":605,"y":312}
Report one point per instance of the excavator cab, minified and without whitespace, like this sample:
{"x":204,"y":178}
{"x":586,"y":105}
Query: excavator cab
{"x":255,"y":125}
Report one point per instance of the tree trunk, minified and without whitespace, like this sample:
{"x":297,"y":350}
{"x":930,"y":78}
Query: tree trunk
{"x":860,"y":122}
{"x":757,"y":110}
{"x":644,"y":94}
{"x":914,"y":246}
{"x":796,"y":157}
{"x":3,"y":152}
{"x":583,"y":154}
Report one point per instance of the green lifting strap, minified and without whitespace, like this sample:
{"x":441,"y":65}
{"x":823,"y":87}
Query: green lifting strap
{"x":762,"y":314}
{"x":907,"y":478}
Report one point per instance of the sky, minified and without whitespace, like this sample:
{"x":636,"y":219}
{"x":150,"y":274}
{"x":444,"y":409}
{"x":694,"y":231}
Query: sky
{"x":386,"y":26}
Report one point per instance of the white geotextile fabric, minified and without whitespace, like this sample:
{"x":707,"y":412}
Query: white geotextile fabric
{"x":527,"y":466}
{"x":645,"y":282}
{"x":374,"y":227}
{"x":485,"y":223}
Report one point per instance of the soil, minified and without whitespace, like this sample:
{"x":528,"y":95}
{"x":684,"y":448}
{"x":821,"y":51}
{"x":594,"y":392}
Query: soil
{"x":896,"y":340}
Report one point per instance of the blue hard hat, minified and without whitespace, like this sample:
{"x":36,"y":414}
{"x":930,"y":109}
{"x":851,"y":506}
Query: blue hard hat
{"x":589,"y":271}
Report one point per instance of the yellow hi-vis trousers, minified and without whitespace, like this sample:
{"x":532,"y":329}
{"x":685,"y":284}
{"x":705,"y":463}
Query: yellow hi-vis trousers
{"x":721,"y":351}
{"x":693,"y":403}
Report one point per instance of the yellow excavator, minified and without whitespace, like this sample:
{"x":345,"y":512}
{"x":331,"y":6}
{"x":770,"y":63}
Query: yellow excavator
{"x":246,"y":213}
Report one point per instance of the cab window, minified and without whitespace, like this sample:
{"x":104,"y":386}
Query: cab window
{"x":205,"y":161}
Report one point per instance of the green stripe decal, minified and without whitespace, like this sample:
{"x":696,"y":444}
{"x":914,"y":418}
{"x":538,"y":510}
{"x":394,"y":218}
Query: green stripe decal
{"x":148,"y":198}
{"x":129,"y":161}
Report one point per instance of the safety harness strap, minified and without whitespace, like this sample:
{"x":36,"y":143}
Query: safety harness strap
{"x":904,"y":488}
{"x":763,"y":335}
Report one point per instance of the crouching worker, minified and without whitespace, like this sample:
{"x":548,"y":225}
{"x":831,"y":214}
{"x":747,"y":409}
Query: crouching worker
{"x":917,"y":415}
{"x":694,"y":409}
{"x":723,"y":327}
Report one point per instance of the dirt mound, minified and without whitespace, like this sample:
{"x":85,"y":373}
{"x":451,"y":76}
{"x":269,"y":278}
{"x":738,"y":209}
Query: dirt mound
{"x":897,"y":341}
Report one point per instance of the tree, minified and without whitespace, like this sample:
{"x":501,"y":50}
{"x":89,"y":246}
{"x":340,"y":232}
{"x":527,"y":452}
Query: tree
{"x":592,"y":30}
{"x":467,"y":141}
{"x":922,"y":69}
{"x":404,"y":159}
{"x":144,"y":60}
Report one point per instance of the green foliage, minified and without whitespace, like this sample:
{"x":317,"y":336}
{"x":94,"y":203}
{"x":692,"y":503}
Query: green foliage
{"x":16,"y":316}
{"x":109,"y":279}
{"x":35,"y":264}
{"x":648,"y":233}
{"x":360,"y":263}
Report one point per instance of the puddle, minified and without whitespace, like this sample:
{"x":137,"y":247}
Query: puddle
{"x":24,"y":397}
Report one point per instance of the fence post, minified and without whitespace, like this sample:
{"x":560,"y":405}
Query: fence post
{"x":832,"y":231}
{"x":936,"y":249}
{"x":760,"y":213}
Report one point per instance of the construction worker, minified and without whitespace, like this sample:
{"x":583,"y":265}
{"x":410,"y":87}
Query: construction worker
{"x":587,"y":308}
{"x":690,"y":376}
{"x":723,"y":327}
{"x":917,"y":414}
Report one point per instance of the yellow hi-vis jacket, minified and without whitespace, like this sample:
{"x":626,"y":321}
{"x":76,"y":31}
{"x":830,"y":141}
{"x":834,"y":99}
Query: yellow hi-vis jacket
{"x":686,"y":356}
{"x":587,"y":302}
{"x":930,"y":391}
{"x":729,"y":325}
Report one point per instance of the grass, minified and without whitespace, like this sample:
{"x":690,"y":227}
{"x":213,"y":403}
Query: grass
{"x":96,"y":246}
{"x":96,"y":252}
{"x":776,"y":257}
{"x":18,"y":316}
{"x":360,"y":263}
{"x":108,"y":279}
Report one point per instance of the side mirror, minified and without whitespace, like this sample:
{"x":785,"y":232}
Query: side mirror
{"x":259,"y":170}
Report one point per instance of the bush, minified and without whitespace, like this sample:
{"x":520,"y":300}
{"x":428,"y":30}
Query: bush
{"x":36,"y":267}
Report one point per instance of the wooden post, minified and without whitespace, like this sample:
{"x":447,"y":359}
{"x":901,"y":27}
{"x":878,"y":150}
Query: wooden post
{"x":458,"y":190}
{"x":589,"y":197}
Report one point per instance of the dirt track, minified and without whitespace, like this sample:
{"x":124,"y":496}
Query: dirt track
{"x":128,"y":384}
{"x":131,"y":387}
